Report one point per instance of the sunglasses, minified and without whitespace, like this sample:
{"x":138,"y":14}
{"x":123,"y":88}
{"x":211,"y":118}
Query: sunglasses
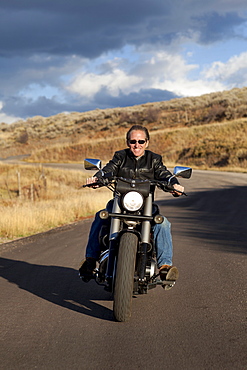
{"x":137,"y":141}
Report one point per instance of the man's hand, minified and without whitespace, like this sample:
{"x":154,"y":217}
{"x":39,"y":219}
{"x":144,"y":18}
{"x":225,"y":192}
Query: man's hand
{"x":180,"y":189}
{"x":91,"y":180}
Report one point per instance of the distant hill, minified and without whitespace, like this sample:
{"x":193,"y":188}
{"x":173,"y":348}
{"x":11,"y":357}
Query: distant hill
{"x":209,"y":131}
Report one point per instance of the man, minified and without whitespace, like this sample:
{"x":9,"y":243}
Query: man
{"x":136,"y":162}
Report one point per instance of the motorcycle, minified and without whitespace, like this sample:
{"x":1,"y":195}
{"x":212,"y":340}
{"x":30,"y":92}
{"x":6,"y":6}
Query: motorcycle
{"x":127,"y":264}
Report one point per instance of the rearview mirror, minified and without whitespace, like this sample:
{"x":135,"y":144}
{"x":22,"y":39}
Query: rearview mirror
{"x":184,"y":172}
{"x":92,"y":164}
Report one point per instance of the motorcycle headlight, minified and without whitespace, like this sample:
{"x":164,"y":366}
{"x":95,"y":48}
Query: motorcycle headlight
{"x":132,"y":201}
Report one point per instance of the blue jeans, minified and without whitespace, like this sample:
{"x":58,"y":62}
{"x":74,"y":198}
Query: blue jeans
{"x":162,"y":239}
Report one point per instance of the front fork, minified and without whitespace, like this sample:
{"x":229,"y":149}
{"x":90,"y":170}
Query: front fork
{"x":145,"y":239}
{"x":114,"y":231}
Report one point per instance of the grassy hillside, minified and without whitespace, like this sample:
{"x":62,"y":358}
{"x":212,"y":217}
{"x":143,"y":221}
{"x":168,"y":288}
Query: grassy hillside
{"x":207,"y":131}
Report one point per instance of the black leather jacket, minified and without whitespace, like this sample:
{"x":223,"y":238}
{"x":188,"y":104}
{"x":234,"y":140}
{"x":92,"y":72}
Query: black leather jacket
{"x":149,"y":166}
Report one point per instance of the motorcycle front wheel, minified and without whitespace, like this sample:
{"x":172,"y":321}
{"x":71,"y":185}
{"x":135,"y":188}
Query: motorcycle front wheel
{"x":124,"y":279}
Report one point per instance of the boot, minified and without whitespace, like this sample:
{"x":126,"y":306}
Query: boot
{"x":168,"y":273}
{"x":86,"y":269}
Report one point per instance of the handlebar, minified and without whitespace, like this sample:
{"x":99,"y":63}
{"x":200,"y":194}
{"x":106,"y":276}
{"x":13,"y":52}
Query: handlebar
{"x":109,"y":180}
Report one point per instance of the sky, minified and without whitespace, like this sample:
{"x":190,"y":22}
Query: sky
{"x":78,"y":55}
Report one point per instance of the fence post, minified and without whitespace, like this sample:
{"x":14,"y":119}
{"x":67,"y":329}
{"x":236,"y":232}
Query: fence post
{"x":31,"y":191}
{"x":19,"y":184}
{"x":43,"y":178}
{"x":6,"y":182}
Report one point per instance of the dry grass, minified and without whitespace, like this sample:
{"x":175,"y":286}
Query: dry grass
{"x":100,"y":148}
{"x":222,"y":145}
{"x":214,"y":145}
{"x":62,"y":202}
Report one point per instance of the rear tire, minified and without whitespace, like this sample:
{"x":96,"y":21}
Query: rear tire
{"x":124,"y":280}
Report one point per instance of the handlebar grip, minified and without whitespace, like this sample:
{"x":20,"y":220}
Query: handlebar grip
{"x":92,"y":185}
{"x":170,"y":188}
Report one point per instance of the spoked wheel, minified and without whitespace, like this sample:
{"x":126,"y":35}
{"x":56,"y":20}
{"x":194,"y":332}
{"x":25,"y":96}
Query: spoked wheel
{"x":124,"y":280}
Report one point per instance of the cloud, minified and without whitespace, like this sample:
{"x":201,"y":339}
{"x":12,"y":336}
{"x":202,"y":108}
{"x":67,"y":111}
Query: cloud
{"x":160,"y":77}
{"x":5,"y":117}
{"x":233,"y":72}
{"x":160,"y":71}
{"x":88,"y":84}
{"x":81,"y":55}
{"x":103,"y":99}
{"x":215,"y":26}
{"x":40,"y":106}
{"x":89,"y":28}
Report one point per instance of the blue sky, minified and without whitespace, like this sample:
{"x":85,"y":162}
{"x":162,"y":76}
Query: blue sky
{"x":66,"y":56}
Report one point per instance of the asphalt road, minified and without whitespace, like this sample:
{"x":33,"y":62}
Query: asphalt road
{"x":51,"y":320}
{"x":19,"y":159}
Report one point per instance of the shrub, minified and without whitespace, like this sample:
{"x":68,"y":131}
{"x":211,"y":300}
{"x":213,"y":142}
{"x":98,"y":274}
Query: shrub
{"x":22,"y":138}
{"x":152,"y":114}
{"x":216,"y":113}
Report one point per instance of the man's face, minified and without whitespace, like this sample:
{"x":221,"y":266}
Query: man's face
{"x":137,"y":148}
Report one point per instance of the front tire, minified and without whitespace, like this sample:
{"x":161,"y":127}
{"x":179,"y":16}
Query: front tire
{"x":124,"y":280}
